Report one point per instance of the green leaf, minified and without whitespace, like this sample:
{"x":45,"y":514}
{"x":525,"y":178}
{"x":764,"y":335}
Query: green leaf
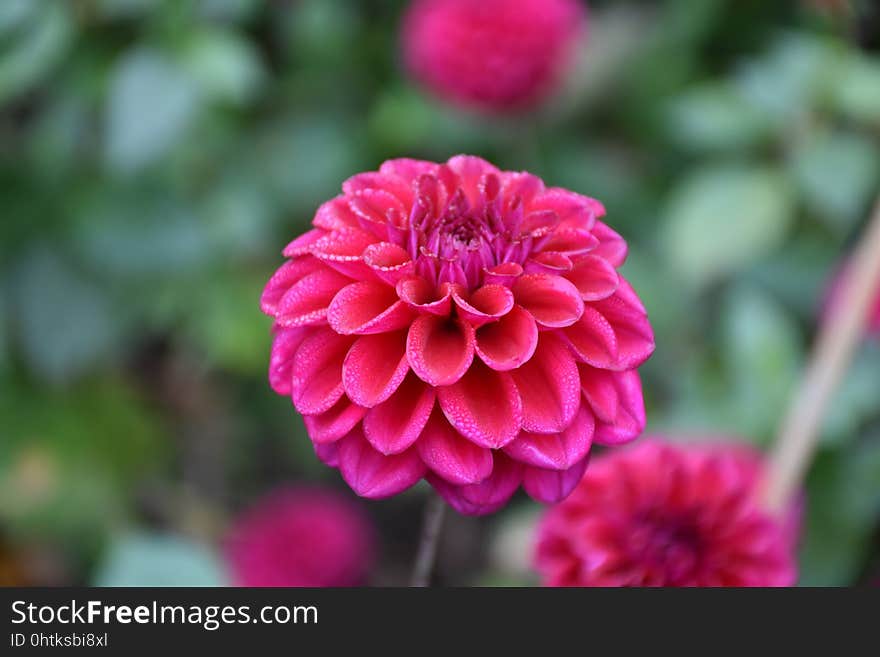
{"x":716,"y":117}
{"x":65,"y":323}
{"x":837,"y":174}
{"x":226,"y":66}
{"x":150,"y":107}
{"x":40,"y":38}
{"x":762,"y":351}
{"x":141,"y":559}
{"x":843,"y":500}
{"x":724,"y":218}
{"x":856,"y":90}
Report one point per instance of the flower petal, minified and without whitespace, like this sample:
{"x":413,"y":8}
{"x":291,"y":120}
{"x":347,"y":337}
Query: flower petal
{"x":552,"y":486}
{"x":374,"y":475}
{"x":374,"y":368}
{"x":509,"y":342}
{"x":420,"y":295}
{"x":388,"y":261}
{"x":342,"y":249}
{"x":594,"y":277}
{"x":440,"y":349}
{"x":552,"y":300}
{"x":284,"y":346}
{"x":556,"y":451}
{"x":282,"y":280}
{"x":307,"y":300}
{"x":486,"y":304}
{"x":549,"y":386}
{"x":367,"y":307}
{"x":395,"y":424}
{"x":484,"y":406}
{"x":593,"y":339}
{"x":611,"y":246}
{"x":317,"y":371}
{"x":485,"y":497}
{"x":450,"y":455}
{"x":635,"y":338}
{"x":331,"y":425}
{"x":617,"y":401}
{"x":328,"y":453}
{"x":504,"y":274}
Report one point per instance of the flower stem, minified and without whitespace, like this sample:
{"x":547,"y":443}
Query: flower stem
{"x":832,"y":355}
{"x":435,"y":509}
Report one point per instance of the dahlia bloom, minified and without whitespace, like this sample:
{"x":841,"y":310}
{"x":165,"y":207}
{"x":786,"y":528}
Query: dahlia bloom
{"x":462,"y":324}
{"x":832,"y":301}
{"x":300,"y":536}
{"x":492,"y":54}
{"x":665,"y":515}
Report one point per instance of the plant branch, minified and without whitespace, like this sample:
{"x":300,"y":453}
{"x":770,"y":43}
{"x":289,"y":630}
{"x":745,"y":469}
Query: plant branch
{"x":435,"y":509}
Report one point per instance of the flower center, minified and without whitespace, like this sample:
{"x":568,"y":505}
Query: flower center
{"x":669,"y":544}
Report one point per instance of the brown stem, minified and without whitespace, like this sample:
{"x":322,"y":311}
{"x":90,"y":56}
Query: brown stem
{"x":433,"y":522}
{"x":832,"y":355}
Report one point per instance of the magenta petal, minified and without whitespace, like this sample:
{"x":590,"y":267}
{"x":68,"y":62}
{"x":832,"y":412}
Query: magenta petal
{"x":612,"y":246}
{"x":317,"y":371}
{"x":389,"y":262}
{"x":374,"y":367}
{"x":571,"y":241}
{"x":593,"y":339}
{"x":524,"y":186}
{"x":549,"y":385}
{"x":342,"y":250}
{"x":408,"y":169}
{"x":374,"y":181}
{"x":374,"y":475}
{"x":335,"y":423}
{"x":395,"y":424}
{"x":549,"y":263}
{"x":420,"y":295}
{"x":626,"y":403}
{"x":440,"y":349}
{"x":307,"y":300}
{"x":509,"y":342}
{"x":328,"y":453}
{"x":552,"y":300}
{"x":486,"y":304}
{"x":470,"y":170}
{"x":484,"y":406}
{"x":573,"y":210}
{"x":335,"y":214}
{"x":283,"y":279}
{"x":552,"y":486}
{"x":504,"y":274}
{"x":485,"y":497}
{"x":626,"y":314}
{"x":304,"y":243}
{"x":450,"y":455}
{"x":594,"y":277}
{"x":367,"y":307}
{"x":555,"y":451}
{"x":284,"y":346}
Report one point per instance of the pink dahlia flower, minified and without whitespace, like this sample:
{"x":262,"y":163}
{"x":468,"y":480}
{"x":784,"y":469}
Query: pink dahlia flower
{"x":493,"y":54}
{"x":301,"y":536}
{"x":665,"y":515}
{"x":459,"y":323}
{"x":832,"y":300}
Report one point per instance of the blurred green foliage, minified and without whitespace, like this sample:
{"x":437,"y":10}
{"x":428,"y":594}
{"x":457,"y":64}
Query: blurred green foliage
{"x":156,"y":155}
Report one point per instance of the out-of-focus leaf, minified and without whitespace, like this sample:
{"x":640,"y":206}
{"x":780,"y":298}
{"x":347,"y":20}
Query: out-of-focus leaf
{"x":723,"y":218}
{"x":141,"y":236}
{"x":843,"y":500}
{"x":150,"y":106}
{"x":856,"y":90}
{"x":716,"y":117}
{"x":241,"y":217}
{"x":229,"y":10}
{"x":141,"y":559}
{"x":40,"y":37}
{"x":127,"y":9}
{"x":65,"y":323}
{"x":57,"y":135}
{"x":224,"y":65}
{"x":858,"y":398}
{"x":837,"y":175}
{"x":762,"y":350}
{"x":790,"y":79}
{"x":227,"y":324}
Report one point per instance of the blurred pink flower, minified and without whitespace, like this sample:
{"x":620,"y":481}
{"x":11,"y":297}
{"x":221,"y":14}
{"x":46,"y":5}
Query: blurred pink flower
{"x":493,"y":54}
{"x":665,"y":515}
{"x":832,"y":300}
{"x":301,"y":536}
{"x":463,"y":324}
